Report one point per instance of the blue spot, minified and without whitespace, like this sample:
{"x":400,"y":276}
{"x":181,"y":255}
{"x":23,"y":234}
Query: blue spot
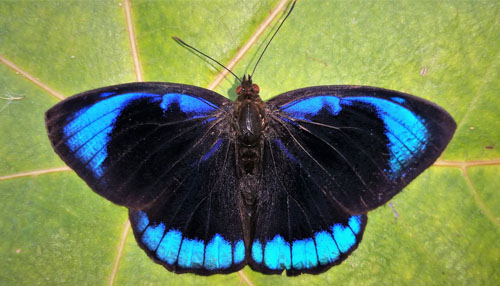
{"x":239,"y":251}
{"x":326,"y":247}
{"x":355,"y":223}
{"x":285,"y":150}
{"x":142,"y":221}
{"x":304,"y":254}
{"x":106,"y":94}
{"x":169,"y":246}
{"x":277,"y":253}
{"x":257,"y":251}
{"x":343,"y":236}
{"x":196,"y":107}
{"x":88,"y":131}
{"x":153,"y":235}
{"x":309,"y":107}
{"x":212,"y":150}
{"x":218,"y":253}
{"x":406,"y":133}
{"x":398,"y":100}
{"x":191,"y":254}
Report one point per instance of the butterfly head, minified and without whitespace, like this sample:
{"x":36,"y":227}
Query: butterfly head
{"x":247,"y":90}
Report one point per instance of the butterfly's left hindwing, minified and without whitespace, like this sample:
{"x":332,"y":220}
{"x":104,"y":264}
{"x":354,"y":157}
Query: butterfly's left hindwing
{"x":166,"y":152}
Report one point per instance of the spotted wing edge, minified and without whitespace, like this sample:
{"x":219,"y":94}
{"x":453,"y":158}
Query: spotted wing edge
{"x":179,"y":270}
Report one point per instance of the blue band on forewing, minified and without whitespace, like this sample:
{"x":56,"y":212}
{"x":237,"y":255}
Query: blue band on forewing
{"x":308,"y":107}
{"x":405,"y":130}
{"x":87,"y":132}
{"x":188,"y":104}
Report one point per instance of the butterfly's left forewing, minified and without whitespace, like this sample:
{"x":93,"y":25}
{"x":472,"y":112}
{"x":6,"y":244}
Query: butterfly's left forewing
{"x":165,"y":151}
{"x":331,"y":154}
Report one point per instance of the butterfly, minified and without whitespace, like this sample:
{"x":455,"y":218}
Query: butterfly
{"x":214,"y":185}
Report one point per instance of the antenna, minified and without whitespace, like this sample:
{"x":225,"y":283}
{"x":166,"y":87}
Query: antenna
{"x":282,"y":22}
{"x":200,"y":52}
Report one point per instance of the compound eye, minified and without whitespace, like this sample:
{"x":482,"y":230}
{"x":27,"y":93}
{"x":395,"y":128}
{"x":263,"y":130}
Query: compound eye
{"x":255,"y":88}
{"x":238,"y":89}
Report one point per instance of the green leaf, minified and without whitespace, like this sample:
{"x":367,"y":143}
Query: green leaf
{"x":444,"y":228}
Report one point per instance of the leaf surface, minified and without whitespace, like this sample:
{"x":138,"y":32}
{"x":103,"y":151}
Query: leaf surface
{"x":442,"y":229}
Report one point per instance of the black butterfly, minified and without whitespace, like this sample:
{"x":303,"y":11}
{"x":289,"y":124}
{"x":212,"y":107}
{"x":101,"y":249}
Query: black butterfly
{"x":213,"y":185}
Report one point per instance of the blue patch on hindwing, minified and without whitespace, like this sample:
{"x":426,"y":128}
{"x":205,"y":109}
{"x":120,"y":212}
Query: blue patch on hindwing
{"x":277,"y":253}
{"x":323,"y":248}
{"x":87,"y":132}
{"x":171,"y":247}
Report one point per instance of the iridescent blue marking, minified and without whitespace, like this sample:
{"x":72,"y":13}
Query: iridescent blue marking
{"x":309,"y":107}
{"x":153,"y":235}
{"x":106,"y":94}
{"x":257,"y":251}
{"x":239,"y":251}
{"x":209,"y":119}
{"x":277,"y":253}
{"x":88,"y":131}
{"x":169,"y":246}
{"x":96,"y":161}
{"x":355,"y":223}
{"x":404,"y":129}
{"x":142,"y":221}
{"x":304,"y":254}
{"x":188,"y":104}
{"x":326,"y":247}
{"x":343,"y":236}
{"x":285,"y":150}
{"x":398,"y":100}
{"x":212,"y":150}
{"x":191,"y":254}
{"x":218,"y":253}
{"x":288,"y":120}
